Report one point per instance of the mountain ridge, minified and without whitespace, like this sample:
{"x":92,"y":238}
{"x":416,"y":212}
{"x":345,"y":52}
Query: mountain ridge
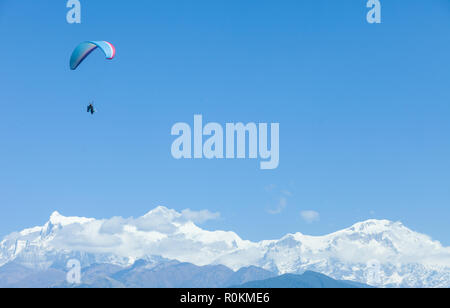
{"x":375,"y":252}
{"x":308,"y":279}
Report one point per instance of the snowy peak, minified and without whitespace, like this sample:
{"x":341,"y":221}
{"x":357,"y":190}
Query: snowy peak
{"x":363,"y":231}
{"x":374,"y":226}
{"x":57,"y":219}
{"x":164,"y":212}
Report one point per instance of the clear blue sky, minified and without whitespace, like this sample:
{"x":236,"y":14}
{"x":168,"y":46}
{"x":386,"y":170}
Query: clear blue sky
{"x":364,"y":111}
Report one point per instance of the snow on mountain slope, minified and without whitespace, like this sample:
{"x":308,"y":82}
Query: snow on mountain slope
{"x":118,"y":240}
{"x":376,"y":252}
{"x":380,"y":253}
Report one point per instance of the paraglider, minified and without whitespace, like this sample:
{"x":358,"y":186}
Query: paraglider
{"x":91,"y":109}
{"x":83,"y":50}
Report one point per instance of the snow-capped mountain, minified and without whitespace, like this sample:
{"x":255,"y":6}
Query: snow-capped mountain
{"x":375,"y":252}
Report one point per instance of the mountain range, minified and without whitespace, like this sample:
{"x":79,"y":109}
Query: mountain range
{"x":166,"y":248}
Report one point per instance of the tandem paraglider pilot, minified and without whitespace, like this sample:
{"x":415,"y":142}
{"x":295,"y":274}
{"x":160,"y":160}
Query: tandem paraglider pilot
{"x":91,"y":109}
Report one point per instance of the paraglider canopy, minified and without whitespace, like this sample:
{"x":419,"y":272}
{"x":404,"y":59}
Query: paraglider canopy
{"x":83,"y":50}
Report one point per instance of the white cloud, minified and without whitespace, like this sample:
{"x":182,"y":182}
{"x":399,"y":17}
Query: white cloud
{"x":113,"y":225}
{"x":270,"y":187}
{"x":310,"y":216}
{"x":199,"y":216}
{"x":286,"y":193}
{"x":282,"y":203}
